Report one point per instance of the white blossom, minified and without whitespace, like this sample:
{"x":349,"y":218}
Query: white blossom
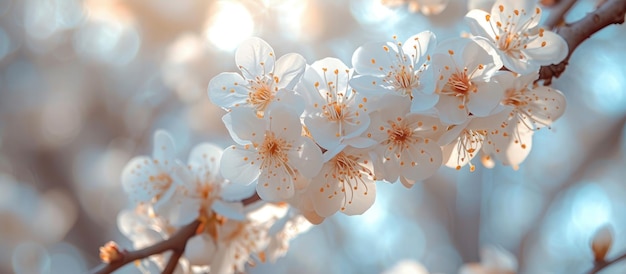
{"x":464,"y":83}
{"x":512,"y":27}
{"x":397,"y":68}
{"x":335,"y":114}
{"x":154,"y":179}
{"x":261,"y":79}
{"x":406,"y":149}
{"x":272,"y":150}
{"x":346,"y":183}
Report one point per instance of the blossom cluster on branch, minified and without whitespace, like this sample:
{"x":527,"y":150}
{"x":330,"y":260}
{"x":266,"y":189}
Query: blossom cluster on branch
{"x":312,"y":139}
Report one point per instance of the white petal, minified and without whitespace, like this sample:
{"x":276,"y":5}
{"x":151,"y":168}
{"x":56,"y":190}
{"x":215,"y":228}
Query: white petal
{"x":244,"y":126}
{"x":239,"y":165}
{"x":484,"y":101}
{"x":285,"y":123}
{"x":374,"y":58}
{"x":363,"y":198}
{"x":546,"y":50}
{"x":206,"y":158}
{"x":306,"y":88}
{"x":232,"y":192}
{"x":228,"y":89}
{"x":255,"y":57}
{"x":306,"y":157}
{"x":289,"y":70}
{"x":288,"y":99}
{"x":180,"y":211}
{"x":164,"y":148}
{"x":421,"y":160}
{"x":450,"y":111}
{"x":140,"y":179}
{"x":233,"y":211}
{"x":326,"y":195}
{"x":275,"y":184}
{"x":335,"y":71}
{"x":324,"y":132}
{"x":509,"y":6}
{"x":360,"y":142}
{"x":371,"y":86}
{"x":517,"y":65}
{"x":549,"y":105}
{"x":479,"y":26}
{"x":420,"y":45}
{"x":422,"y":102}
{"x":481,"y":52}
{"x":200,"y":250}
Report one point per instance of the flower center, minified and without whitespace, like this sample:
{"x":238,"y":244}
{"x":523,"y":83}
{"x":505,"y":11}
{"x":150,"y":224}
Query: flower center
{"x":334,"y":111}
{"x":459,"y":84}
{"x":273,"y":151}
{"x":399,"y":134}
{"x":348,"y":173}
{"x":160,"y":184}
{"x":404,"y":80}
{"x":514,"y":98}
{"x":261,"y":94}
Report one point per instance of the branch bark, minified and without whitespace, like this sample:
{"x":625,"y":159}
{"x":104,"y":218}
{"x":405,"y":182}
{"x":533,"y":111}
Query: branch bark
{"x":176,"y":243}
{"x":608,"y":13}
{"x":602,"y":265}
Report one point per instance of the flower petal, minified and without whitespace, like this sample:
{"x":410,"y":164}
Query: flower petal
{"x":374,"y":58}
{"x":141,"y":180}
{"x":306,"y":157}
{"x":479,"y":25}
{"x":484,"y":101}
{"x":275,"y":184}
{"x":230,"y":210}
{"x":227,"y":90}
{"x":420,"y":45}
{"x":546,"y":50}
{"x":450,"y":110}
{"x":244,"y":126}
{"x":289,"y":70}
{"x":362,"y":198}
{"x":164,"y":149}
{"x":239,"y":165}
{"x":255,"y":57}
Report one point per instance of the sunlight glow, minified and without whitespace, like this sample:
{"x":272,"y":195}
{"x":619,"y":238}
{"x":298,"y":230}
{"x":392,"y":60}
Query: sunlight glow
{"x":230,"y":24}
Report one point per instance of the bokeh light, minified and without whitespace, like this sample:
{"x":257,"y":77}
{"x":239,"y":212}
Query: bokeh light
{"x":229,"y":23}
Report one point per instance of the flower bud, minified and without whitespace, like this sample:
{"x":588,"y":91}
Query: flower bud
{"x":601,"y":243}
{"x":110,"y":252}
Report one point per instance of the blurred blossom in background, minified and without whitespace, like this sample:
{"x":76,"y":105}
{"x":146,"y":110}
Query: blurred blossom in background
{"x":84,"y":84}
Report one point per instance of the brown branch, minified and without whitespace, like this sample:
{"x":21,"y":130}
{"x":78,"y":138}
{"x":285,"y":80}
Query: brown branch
{"x":176,"y":243}
{"x":608,"y":13}
{"x":601,"y":265}
{"x":557,"y":13}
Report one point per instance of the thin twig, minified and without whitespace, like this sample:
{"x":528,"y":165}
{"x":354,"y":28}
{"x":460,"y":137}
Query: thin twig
{"x":608,"y":13}
{"x":602,"y":265}
{"x":177,"y":243}
{"x":557,"y":13}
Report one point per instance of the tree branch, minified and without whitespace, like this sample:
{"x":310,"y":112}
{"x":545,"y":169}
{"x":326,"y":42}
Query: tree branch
{"x":601,"y":265}
{"x":608,"y":13}
{"x":176,"y":244}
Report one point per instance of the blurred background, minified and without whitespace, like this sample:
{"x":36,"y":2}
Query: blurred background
{"x":84,"y":84}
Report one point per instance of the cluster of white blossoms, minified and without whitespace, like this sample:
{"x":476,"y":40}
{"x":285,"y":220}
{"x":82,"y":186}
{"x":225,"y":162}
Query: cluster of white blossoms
{"x":313,"y":139}
{"x":169,"y":194}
